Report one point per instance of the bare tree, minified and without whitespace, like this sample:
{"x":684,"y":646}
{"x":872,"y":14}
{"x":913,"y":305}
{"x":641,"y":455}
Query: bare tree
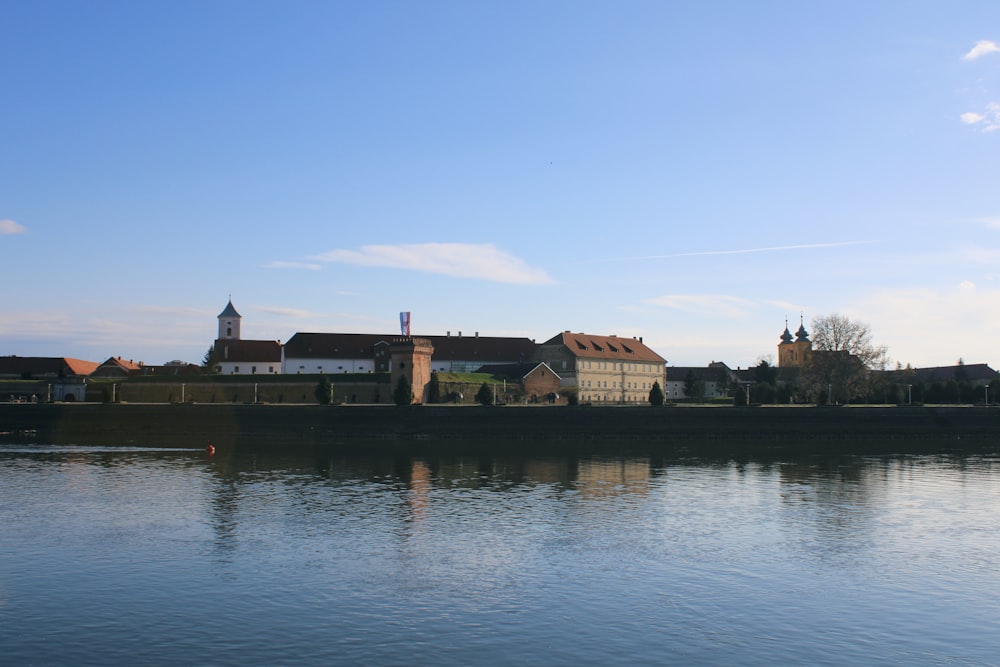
{"x":837,"y":333}
{"x":843,"y":359}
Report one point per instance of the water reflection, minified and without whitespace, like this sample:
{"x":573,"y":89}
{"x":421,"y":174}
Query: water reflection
{"x":322,"y":558}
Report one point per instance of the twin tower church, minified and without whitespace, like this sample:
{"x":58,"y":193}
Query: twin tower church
{"x":794,"y":352}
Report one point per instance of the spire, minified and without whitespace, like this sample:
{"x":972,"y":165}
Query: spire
{"x":801,"y":336}
{"x":786,"y":337}
{"x":229,"y":311}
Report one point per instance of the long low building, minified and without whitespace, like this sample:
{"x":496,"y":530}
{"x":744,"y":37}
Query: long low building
{"x":333,"y":353}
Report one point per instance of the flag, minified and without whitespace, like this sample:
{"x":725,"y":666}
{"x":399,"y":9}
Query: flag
{"x":404,"y":323}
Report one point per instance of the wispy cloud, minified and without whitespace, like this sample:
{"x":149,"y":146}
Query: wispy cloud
{"x":11,"y":227}
{"x":983,"y":47}
{"x":306,"y":266}
{"x":175,"y":311}
{"x":739,"y":251}
{"x":286,"y":312}
{"x":460,"y":260}
{"x":989,"y":121}
{"x":710,"y":304}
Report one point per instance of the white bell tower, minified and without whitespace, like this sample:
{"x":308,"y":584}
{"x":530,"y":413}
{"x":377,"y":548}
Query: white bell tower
{"x":229,"y":323}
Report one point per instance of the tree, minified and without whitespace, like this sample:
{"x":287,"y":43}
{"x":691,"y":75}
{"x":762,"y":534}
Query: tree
{"x":210,"y":361}
{"x":693,"y":387}
{"x":485,"y":395}
{"x":765,"y":373}
{"x":843,"y":359}
{"x":837,"y":333}
{"x":403,"y":393}
{"x":722,"y":380}
{"x":656,"y":395}
{"x":324,"y":391}
{"x":571,"y":394}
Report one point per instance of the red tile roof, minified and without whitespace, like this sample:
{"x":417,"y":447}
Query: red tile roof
{"x":591,"y":346}
{"x":17,"y":367}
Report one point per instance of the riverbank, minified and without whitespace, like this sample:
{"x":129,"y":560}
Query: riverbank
{"x":378,"y":428}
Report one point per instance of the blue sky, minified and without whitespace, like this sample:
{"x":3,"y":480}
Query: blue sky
{"x":692,"y":173}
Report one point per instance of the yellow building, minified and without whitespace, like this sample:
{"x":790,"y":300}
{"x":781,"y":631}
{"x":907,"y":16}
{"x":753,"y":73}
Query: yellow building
{"x":604,"y":369}
{"x":794,"y":353}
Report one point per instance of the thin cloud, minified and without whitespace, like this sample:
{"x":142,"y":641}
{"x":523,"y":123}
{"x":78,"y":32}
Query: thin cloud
{"x":711,"y":304}
{"x":286,"y":312}
{"x":459,"y":260}
{"x":988,"y":121}
{"x":307,"y":266}
{"x":11,"y":227}
{"x":991,"y":223}
{"x":740,"y":251}
{"x":983,"y":47}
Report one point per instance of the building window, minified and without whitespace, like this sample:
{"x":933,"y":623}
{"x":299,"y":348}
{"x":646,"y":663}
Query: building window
{"x":236,"y":369}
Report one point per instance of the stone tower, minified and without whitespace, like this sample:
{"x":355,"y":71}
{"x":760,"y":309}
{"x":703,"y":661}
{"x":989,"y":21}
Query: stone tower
{"x":411,"y":357}
{"x":794,"y":354}
{"x":229,"y":323}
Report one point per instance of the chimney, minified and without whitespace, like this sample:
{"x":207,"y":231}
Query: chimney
{"x":477,"y":334}
{"x":448,"y":335}
{"x":459,"y":334}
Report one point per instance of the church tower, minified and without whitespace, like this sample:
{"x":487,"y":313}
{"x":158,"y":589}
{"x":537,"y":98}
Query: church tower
{"x":794,"y":354}
{"x":229,"y":323}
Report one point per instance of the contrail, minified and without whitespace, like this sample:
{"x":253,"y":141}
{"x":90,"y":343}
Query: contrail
{"x":742,"y":251}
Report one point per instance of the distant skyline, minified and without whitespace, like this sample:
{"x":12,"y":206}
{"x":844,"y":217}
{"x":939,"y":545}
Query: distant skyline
{"x":690,"y":174}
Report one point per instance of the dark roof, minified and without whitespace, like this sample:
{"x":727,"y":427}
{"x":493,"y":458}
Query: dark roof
{"x":333,"y":345}
{"x":45,"y":366}
{"x":591,"y":346}
{"x":487,"y":349}
{"x":229,"y":311}
{"x":972,"y":373}
{"x":248,"y":350}
{"x":172,"y":369}
{"x":703,"y":373}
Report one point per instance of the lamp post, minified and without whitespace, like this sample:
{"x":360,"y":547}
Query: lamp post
{"x":909,"y":394}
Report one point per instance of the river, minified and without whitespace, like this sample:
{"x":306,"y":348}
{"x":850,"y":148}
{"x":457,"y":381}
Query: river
{"x":149,"y":556}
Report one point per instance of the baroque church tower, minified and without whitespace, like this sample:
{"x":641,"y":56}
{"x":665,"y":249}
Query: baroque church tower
{"x":794,"y":353}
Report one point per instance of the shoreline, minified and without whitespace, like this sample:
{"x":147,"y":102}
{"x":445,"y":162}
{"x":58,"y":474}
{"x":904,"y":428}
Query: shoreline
{"x":472,"y":429}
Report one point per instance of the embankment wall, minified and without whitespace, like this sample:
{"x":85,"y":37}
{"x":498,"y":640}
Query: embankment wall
{"x":527,"y":428}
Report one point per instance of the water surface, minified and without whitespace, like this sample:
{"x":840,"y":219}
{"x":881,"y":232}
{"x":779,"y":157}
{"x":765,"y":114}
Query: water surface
{"x":147,"y":556}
